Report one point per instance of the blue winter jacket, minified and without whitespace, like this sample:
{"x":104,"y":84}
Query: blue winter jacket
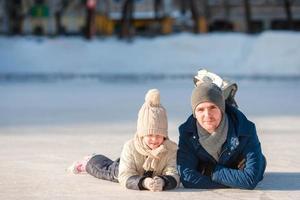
{"x":241,"y":143}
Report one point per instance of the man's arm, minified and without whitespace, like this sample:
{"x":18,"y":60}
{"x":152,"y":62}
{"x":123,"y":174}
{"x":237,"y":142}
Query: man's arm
{"x":187,"y":163}
{"x":250,"y":175}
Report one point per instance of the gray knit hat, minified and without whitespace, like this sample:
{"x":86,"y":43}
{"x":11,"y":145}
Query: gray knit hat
{"x":207,"y":92}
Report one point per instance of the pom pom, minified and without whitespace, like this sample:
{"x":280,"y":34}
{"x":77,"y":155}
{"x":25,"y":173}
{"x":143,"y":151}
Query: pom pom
{"x":153,"y":97}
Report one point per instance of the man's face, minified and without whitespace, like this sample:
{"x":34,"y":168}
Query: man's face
{"x":208,"y":116}
{"x":153,"y":141}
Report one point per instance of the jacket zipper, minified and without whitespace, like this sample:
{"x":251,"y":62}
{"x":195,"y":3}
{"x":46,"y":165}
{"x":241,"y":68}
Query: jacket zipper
{"x":197,"y":145}
{"x":223,"y":152}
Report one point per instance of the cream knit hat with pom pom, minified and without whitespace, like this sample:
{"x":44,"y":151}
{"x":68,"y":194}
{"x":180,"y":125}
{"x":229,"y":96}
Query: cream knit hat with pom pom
{"x":152,"y":117}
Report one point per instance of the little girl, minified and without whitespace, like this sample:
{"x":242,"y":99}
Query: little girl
{"x":148,"y":160}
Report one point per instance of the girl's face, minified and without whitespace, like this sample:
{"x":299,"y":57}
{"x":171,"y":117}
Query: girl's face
{"x":153,"y":141}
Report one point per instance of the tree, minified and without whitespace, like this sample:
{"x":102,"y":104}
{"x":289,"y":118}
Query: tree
{"x":289,"y":17}
{"x":247,"y":8}
{"x":127,"y":18}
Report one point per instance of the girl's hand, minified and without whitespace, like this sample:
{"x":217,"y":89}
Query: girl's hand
{"x":158,"y":184}
{"x":148,"y":183}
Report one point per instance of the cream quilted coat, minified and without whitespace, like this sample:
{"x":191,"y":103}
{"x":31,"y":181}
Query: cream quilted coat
{"x":131,"y":163}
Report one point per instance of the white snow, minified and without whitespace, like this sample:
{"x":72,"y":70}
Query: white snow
{"x":92,"y":100}
{"x":269,"y":53}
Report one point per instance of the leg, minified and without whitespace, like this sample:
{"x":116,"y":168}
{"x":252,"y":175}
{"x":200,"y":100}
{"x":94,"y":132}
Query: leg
{"x":78,"y":167}
{"x":104,"y":168}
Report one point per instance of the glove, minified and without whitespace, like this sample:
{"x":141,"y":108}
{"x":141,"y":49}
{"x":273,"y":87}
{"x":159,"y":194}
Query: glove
{"x":155,"y":184}
{"x":158,"y":185}
{"x":148,"y":183}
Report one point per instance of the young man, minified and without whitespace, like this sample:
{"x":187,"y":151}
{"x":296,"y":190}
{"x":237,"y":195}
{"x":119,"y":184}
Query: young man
{"x":218,"y":146}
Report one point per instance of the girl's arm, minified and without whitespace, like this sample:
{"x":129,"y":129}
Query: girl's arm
{"x":128,"y":174}
{"x":170,"y":173}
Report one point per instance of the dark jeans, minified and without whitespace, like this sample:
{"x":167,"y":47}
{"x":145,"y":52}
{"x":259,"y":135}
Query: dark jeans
{"x":104,"y":168}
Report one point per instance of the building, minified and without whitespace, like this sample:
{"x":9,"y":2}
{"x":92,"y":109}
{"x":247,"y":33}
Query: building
{"x":52,"y":17}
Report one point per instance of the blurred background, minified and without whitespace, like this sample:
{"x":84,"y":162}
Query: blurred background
{"x":91,"y":61}
{"x":127,"y":18}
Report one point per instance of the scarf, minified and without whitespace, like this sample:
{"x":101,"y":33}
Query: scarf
{"x":153,"y":155}
{"x":212,"y":142}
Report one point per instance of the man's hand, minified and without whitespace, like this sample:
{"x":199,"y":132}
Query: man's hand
{"x":242,"y":164}
{"x":207,"y":170}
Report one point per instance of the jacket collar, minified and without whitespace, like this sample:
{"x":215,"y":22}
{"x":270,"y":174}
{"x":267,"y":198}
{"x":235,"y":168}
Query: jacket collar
{"x":242,"y":126}
{"x":190,"y":125}
{"x":239,"y":125}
